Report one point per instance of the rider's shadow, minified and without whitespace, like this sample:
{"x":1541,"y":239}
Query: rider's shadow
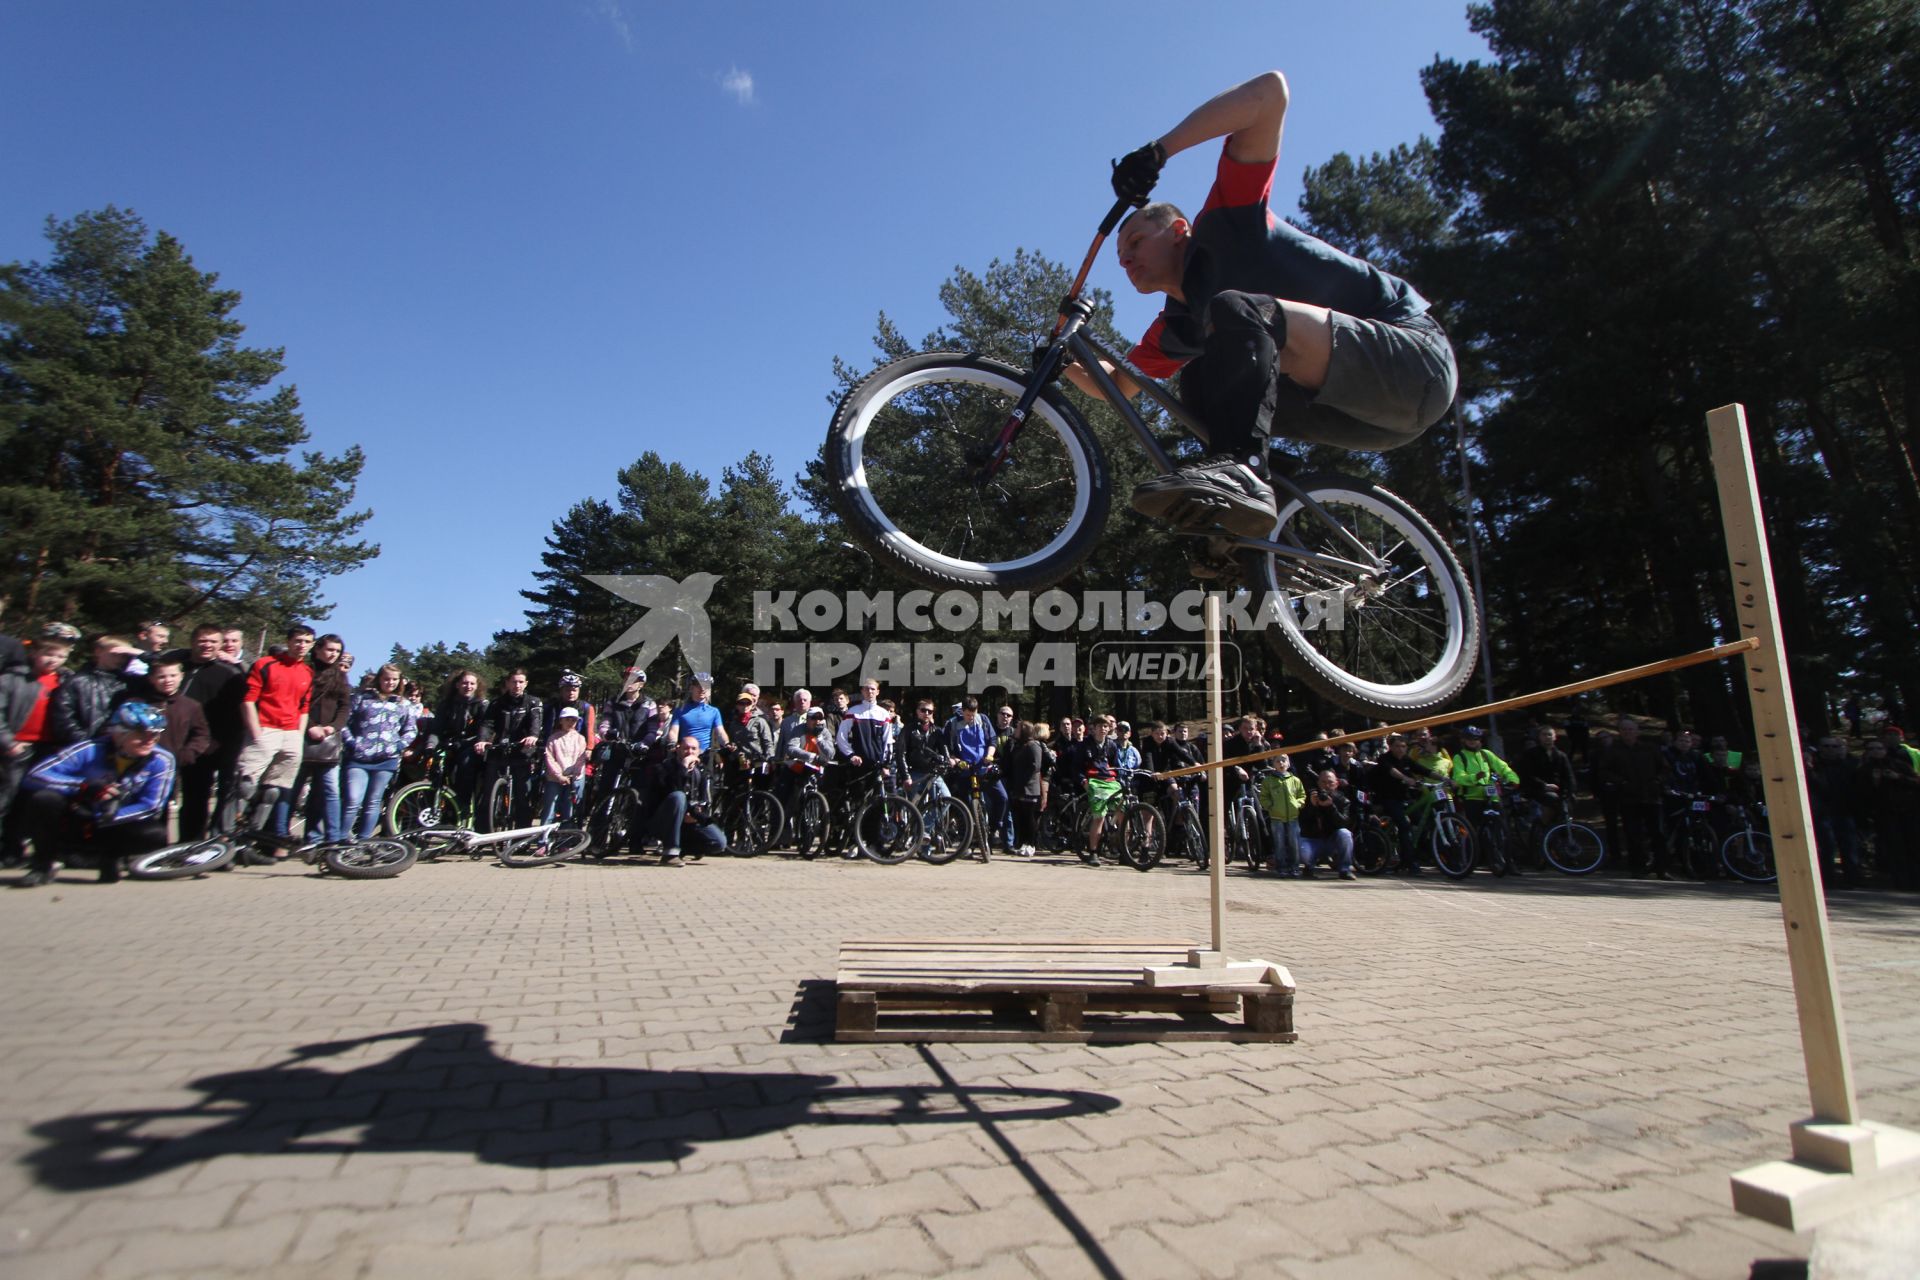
{"x":451,"y":1092}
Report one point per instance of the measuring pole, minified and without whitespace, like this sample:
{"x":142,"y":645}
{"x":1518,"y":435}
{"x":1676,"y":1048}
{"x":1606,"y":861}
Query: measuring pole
{"x":1216,"y":748}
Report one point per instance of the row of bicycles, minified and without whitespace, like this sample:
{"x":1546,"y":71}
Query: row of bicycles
{"x":1706,"y":837}
{"x":940,"y":820}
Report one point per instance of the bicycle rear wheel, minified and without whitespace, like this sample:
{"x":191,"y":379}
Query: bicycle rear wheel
{"x":905,"y":455}
{"x":182,"y":861}
{"x":1574,"y":849}
{"x":1452,"y":845}
{"x":888,"y":829}
{"x":1191,"y":842}
{"x":1388,"y":644}
{"x":371,"y":859}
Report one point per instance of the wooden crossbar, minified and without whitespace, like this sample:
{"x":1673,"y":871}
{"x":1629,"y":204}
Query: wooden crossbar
{"x":1714,"y":654}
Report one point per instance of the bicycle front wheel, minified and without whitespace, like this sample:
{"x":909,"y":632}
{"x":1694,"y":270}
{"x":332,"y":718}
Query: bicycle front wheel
{"x":888,"y":829}
{"x":906,"y":457}
{"x":1574,"y":849}
{"x":421,"y":806}
{"x":563,"y":844}
{"x":753,"y":823}
{"x":1453,"y":845}
{"x":809,"y":826}
{"x":1143,"y":836}
{"x":949,"y":830}
{"x":1749,"y":855}
{"x":1387,"y":644}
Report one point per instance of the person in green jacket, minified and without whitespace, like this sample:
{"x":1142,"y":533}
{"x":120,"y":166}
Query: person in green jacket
{"x":1282,"y":796}
{"x":1474,"y":770}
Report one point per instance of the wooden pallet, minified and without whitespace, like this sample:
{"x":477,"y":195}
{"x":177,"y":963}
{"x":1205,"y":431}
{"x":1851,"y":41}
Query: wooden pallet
{"x":1053,"y":990}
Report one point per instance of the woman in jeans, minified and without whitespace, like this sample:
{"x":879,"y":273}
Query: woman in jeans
{"x":379,"y":729}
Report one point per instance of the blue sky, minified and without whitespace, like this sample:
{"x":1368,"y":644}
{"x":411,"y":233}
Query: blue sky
{"x":508,"y":247}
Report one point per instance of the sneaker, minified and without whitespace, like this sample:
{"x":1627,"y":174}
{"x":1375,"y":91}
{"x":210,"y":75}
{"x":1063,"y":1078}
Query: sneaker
{"x":1347,"y":875}
{"x":1307,"y":873}
{"x":1221,"y":492}
{"x":672,"y":858}
{"x":33,"y":880}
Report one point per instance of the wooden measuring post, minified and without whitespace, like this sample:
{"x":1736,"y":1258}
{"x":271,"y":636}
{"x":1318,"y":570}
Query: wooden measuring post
{"x":1840,"y":1164}
{"x":1216,"y":748}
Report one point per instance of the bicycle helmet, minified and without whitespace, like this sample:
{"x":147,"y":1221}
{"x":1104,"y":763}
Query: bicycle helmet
{"x":139,"y":717}
{"x":568,"y":680}
{"x":1472,"y":731}
{"x":59,"y":633}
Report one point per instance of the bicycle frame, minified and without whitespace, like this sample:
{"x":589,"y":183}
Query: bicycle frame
{"x":1070,"y":335}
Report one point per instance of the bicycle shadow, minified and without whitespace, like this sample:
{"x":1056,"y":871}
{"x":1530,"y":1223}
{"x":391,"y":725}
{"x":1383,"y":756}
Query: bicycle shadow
{"x":451,"y":1092}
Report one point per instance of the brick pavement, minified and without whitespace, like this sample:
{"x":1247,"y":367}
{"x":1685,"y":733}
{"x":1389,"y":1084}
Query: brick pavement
{"x":591,"y":1072}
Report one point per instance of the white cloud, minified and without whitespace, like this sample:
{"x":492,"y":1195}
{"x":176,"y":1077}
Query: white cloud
{"x":616,"y":17}
{"x":740,"y":84}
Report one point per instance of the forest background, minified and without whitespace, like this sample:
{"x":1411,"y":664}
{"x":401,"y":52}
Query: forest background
{"x":1631,"y":213}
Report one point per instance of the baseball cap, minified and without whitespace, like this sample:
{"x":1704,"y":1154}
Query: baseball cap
{"x":569,"y":713}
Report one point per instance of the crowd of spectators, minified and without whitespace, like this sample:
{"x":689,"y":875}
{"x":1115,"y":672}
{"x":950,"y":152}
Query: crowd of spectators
{"x":92,"y":758}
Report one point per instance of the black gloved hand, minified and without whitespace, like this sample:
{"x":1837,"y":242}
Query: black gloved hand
{"x":1040,"y":350}
{"x":1135,"y":173}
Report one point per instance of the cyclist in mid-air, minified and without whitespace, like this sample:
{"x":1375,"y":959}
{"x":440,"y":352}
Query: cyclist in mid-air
{"x":1276,"y":332}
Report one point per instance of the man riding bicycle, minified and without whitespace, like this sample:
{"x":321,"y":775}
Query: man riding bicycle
{"x":1279,"y":333}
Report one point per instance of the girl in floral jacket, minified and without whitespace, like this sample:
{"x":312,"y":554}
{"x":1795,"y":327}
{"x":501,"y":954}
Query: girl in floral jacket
{"x":380,"y":727}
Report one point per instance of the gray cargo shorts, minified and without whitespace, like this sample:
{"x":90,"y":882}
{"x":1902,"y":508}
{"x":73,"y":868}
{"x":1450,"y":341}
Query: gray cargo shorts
{"x":1387,"y":381}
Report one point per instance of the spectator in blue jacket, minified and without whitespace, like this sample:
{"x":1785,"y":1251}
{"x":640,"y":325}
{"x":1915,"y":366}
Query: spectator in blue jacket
{"x":106,"y":797}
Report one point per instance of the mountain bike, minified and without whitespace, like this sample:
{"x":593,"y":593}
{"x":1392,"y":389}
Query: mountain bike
{"x":1693,"y":838}
{"x":1376,"y":846}
{"x":1571,"y":848}
{"x":1448,"y":836}
{"x":544,"y":844}
{"x":434,"y":802}
{"x":1748,"y":852}
{"x":1248,"y":835}
{"x":1494,"y":834}
{"x":750,"y":814}
{"x":1141,"y":826}
{"x":962,"y":471}
{"x":611,"y":804}
{"x":949,"y":822}
{"x":1186,"y":831}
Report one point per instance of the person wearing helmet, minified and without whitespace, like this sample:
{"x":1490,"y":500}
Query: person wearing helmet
{"x":106,"y":797}
{"x":1474,"y":770}
{"x":571,"y":694}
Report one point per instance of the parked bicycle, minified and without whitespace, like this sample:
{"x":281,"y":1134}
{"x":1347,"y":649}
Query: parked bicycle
{"x":435,"y":802}
{"x":1748,"y":852}
{"x":1445,"y":834}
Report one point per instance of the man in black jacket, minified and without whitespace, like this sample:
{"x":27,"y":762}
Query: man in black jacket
{"x":509,"y":743}
{"x":219,"y":688}
{"x":80,"y":708}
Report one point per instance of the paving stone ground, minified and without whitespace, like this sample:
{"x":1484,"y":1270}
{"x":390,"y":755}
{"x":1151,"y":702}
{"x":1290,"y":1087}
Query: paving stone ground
{"x":619,"y":1071}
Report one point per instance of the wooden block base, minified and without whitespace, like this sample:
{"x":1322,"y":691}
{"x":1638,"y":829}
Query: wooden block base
{"x":1050,"y":991}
